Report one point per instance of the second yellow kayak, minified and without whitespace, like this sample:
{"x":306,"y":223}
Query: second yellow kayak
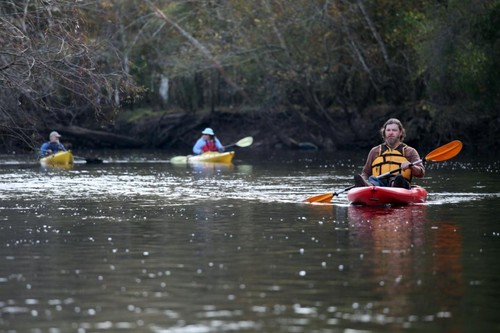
{"x":208,"y":157}
{"x":62,"y":158}
{"x":212,"y":156}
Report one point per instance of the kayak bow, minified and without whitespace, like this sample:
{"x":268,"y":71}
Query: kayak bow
{"x":59,"y":159}
{"x":378,"y":196}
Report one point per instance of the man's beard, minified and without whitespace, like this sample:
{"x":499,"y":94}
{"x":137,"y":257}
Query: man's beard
{"x":392,"y":141}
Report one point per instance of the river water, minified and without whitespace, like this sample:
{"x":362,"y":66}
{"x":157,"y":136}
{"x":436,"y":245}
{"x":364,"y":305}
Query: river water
{"x":136,"y":244}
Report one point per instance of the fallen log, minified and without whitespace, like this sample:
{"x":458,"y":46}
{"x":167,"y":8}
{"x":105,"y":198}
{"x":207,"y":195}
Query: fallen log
{"x":100,"y":138}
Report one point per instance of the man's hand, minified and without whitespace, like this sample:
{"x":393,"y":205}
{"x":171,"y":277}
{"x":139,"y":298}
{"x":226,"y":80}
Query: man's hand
{"x":405,"y":165}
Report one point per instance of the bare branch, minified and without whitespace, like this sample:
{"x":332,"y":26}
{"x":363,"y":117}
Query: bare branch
{"x":375,"y":34}
{"x":200,"y":47}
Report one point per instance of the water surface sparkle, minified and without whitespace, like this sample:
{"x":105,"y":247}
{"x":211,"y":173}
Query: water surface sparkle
{"x":139,"y":245}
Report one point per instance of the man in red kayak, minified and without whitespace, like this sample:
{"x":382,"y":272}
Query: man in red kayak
{"x":390,"y":155}
{"x":207,"y":142}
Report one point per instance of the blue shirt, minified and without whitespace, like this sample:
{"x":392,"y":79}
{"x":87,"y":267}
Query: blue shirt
{"x":198,"y":146}
{"x":54,"y":146}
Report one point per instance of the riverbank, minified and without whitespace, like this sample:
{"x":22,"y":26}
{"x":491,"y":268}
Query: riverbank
{"x":290,"y":128}
{"x":295,"y":128}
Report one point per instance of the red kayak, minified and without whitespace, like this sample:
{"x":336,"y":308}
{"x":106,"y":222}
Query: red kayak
{"x":377,"y":196}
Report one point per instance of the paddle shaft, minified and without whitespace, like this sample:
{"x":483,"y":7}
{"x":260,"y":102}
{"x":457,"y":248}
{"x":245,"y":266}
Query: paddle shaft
{"x":344,"y":190}
{"x":231,"y":145}
{"x":245,"y":142}
{"x":388,"y":173}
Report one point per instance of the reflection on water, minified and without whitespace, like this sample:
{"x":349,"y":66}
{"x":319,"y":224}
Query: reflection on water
{"x":398,"y":238}
{"x":206,"y":168}
{"x":145,"y":246}
{"x":448,"y":269}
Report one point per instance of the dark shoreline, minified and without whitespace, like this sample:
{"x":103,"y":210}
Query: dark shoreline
{"x":297,"y":129}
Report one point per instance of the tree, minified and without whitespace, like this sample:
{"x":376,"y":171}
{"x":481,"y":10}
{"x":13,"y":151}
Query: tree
{"x":49,"y":71}
{"x":460,"y":51}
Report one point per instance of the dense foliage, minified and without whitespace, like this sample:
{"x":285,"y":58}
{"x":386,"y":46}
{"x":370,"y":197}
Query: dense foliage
{"x":437,"y":58}
{"x":313,"y":53}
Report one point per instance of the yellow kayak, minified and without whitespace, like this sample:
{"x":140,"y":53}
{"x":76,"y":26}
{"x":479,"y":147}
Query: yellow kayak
{"x":62,"y":159}
{"x":213,"y":157}
{"x":208,"y":157}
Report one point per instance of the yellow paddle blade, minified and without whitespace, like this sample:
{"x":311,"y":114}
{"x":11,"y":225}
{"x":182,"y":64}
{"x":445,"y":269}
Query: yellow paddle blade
{"x":179,"y":160}
{"x":245,"y":142}
{"x":325,"y":197}
{"x":445,"y":152}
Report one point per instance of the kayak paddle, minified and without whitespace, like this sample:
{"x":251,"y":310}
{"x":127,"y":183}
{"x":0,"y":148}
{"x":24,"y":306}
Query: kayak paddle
{"x":440,"y":154}
{"x":327,"y":197}
{"x":179,"y":159}
{"x":242,"y":143}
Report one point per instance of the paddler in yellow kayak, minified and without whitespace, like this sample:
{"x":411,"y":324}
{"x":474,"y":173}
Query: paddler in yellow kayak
{"x":207,"y":142}
{"x":52,"y":146}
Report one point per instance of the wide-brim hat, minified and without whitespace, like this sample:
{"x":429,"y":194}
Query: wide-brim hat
{"x":208,"y":131}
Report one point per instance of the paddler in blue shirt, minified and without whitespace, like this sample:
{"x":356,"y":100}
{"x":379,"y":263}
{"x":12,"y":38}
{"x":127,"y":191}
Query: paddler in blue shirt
{"x":52,"y":146}
{"x":207,"y":142}
{"x":390,"y":155}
